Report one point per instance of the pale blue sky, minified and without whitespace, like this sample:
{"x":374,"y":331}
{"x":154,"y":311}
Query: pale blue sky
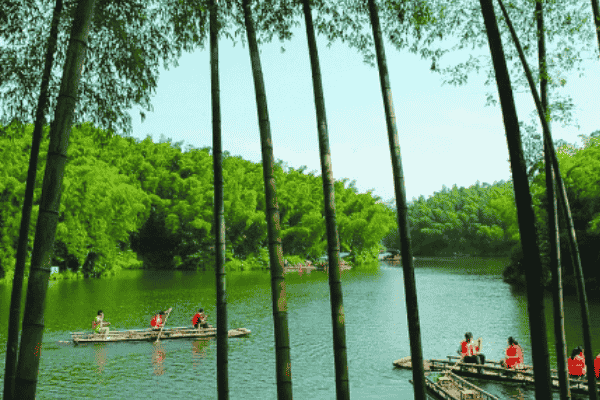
{"x":447,"y":135}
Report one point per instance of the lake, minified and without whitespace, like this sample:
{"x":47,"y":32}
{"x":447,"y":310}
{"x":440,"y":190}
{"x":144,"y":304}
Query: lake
{"x":455,"y":296}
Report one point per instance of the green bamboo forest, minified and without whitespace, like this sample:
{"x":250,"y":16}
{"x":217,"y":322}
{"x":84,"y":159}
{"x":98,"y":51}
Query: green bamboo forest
{"x":139,"y":204}
{"x":153,"y":209}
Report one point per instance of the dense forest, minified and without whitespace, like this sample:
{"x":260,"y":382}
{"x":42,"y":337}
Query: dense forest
{"x":479,"y":220}
{"x":139,"y":204}
{"x":482,"y":220}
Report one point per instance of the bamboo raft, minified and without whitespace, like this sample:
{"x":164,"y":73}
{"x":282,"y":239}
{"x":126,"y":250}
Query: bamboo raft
{"x":449,"y":386}
{"x":492,"y":370}
{"x":152,"y":335}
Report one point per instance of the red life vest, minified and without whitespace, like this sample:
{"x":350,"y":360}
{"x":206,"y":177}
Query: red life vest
{"x":576,"y":365}
{"x":468,"y":348}
{"x":156,"y":321}
{"x":514,"y":356}
{"x":198,"y":318}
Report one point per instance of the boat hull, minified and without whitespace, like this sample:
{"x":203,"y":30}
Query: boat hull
{"x":152,"y":335}
{"x":448,"y":386}
{"x":491,"y":371}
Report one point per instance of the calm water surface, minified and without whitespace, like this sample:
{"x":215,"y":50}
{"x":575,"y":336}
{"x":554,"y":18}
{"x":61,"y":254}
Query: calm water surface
{"x":454,"y":296}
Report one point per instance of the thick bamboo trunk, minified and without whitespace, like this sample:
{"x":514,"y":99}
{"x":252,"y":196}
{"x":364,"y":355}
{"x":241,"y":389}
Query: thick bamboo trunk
{"x":333,"y":242}
{"x":564,"y":202}
{"x":17,"y":289}
{"x":596,"y":12}
{"x":553,"y":225}
{"x":221,"y":290}
{"x":282,"y":338}
{"x":33,"y":321}
{"x":410,"y":287}
{"x":535,"y":288}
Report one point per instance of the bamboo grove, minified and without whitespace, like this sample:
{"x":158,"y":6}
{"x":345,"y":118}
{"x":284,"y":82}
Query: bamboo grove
{"x":106,"y":61}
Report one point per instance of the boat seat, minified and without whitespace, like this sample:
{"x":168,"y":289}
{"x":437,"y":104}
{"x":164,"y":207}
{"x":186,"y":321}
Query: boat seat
{"x":469,"y":395}
{"x":444,"y":381}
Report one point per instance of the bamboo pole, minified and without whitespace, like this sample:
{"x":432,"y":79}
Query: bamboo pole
{"x":333,"y":242}
{"x":219,"y":213}
{"x":33,"y":321}
{"x":553,"y":225}
{"x":279,"y":301}
{"x":596,"y":12}
{"x":410,"y":287}
{"x":564,"y":201}
{"x":535,"y":288}
{"x":19,"y":273}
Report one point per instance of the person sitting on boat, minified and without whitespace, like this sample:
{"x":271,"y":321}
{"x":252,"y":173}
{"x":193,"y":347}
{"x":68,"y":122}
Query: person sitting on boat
{"x":158,"y":320}
{"x":597,"y":365}
{"x":514,"y":355}
{"x":99,"y":325}
{"x":199,"y":320}
{"x":470,"y":352}
{"x":576,"y":363}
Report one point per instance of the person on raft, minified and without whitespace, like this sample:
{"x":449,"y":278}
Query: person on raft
{"x":514,"y":355}
{"x":199,"y":320}
{"x":158,"y":320}
{"x":470,"y":352}
{"x":99,"y":325}
{"x":576,"y":363}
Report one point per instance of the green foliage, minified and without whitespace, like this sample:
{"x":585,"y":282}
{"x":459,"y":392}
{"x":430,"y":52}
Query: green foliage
{"x":128,"y":42}
{"x":128,"y":204}
{"x":479,"y":220}
{"x":580,"y":168}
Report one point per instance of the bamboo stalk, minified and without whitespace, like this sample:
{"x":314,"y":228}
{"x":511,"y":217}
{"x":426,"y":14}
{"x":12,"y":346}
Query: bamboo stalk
{"x":553,"y":225}
{"x":564,"y":200}
{"x":526,"y":219}
{"x":278,"y":294}
{"x":221,"y":290}
{"x":333,"y":242}
{"x":33,"y":320}
{"x":12,"y":343}
{"x":596,"y":12}
{"x":410,"y":287}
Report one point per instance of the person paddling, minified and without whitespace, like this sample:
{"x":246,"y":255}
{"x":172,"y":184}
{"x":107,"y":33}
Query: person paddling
{"x":576,"y":363}
{"x":158,"y":321}
{"x":99,"y":325}
{"x":514,"y":355}
{"x":199,"y":320}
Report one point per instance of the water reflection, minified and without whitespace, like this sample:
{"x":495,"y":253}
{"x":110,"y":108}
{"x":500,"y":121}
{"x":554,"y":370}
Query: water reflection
{"x":158,"y":357}
{"x":101,"y":355}
{"x":199,"y":348}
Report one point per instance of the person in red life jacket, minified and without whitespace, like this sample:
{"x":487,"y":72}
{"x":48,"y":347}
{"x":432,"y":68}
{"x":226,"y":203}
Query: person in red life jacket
{"x":158,"y":320}
{"x":199,"y":320}
{"x":514,"y":355}
{"x":469,"y":351}
{"x":597,"y":365}
{"x":576,"y":363}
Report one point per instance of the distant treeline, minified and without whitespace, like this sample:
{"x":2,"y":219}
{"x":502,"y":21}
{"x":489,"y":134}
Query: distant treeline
{"x":137,"y":204}
{"x":481,"y":220}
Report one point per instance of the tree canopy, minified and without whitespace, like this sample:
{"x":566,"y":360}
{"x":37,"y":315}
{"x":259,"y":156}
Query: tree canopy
{"x":130,"y":203}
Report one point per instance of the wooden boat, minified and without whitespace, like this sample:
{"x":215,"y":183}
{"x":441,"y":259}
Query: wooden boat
{"x":152,"y":335}
{"x":449,"y":386}
{"x":491,"y":370}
